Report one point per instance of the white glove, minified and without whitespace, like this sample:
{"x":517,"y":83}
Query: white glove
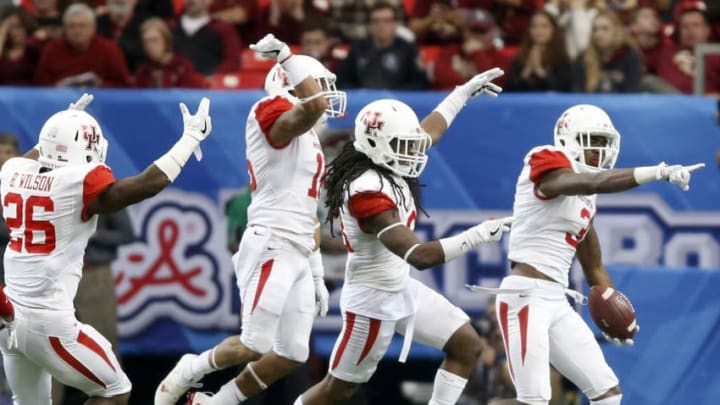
{"x":11,"y":337}
{"x":270,"y":47}
{"x":621,"y":342}
{"x":197,"y":126}
{"x":678,"y":175}
{"x":82,"y":102}
{"x":481,"y":83}
{"x":322,"y":296}
{"x":489,"y":231}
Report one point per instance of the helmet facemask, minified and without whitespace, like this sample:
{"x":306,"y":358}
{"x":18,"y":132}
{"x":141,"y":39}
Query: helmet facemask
{"x":599,"y":149}
{"x":587,"y":135}
{"x":388,"y":132}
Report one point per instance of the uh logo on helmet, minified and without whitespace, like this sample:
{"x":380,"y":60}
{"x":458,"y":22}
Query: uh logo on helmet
{"x":389,"y":133}
{"x":71,"y":137}
{"x":586,"y":133}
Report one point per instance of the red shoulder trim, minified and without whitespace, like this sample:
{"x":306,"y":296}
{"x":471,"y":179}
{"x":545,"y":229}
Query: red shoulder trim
{"x":96,"y":180}
{"x":546,"y":160}
{"x":369,"y":203}
{"x":267,"y":112}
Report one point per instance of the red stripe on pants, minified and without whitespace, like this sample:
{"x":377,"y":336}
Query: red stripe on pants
{"x":370,"y":341}
{"x":88,"y":342}
{"x":506,"y":338}
{"x":73,"y":361}
{"x":349,"y":324}
{"x":523,"y":316}
{"x":264,"y":275}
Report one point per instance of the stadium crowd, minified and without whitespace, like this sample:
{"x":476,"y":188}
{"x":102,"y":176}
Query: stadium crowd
{"x":544,"y":45}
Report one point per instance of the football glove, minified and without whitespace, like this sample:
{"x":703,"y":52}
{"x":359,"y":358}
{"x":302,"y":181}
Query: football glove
{"x":197,"y":126}
{"x":272,"y":48}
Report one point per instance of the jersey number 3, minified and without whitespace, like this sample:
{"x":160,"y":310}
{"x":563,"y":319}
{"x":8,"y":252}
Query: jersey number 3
{"x":573,"y":240}
{"x":24,"y":211}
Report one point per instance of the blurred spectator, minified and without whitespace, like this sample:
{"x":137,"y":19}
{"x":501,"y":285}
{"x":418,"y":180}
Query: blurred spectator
{"x":156,"y":8}
{"x":163,"y":67}
{"x":437,"y":22}
{"x":285,"y":19}
{"x":382,"y":61}
{"x":512,"y":16}
{"x":239,"y":13}
{"x":19,"y":51}
{"x":348,"y":19}
{"x":315,"y":41}
{"x":49,"y":18}
{"x":456,"y":64}
{"x":121,"y":23}
{"x":542,"y":64}
{"x":611,"y":64}
{"x":677,"y":60}
{"x":81,"y":58}
{"x":575,"y":17}
{"x":211,"y":45}
{"x":646,"y":29}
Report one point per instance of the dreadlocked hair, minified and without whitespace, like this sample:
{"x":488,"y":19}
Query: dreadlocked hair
{"x":348,"y":166}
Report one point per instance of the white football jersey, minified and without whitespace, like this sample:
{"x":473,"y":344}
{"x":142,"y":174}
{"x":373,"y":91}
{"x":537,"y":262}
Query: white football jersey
{"x":285,"y":180}
{"x":546,"y":231}
{"x":369,"y":262}
{"x":44,"y":213}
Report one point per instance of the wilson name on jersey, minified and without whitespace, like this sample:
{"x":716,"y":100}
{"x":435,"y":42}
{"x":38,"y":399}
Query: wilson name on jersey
{"x":284,"y":179}
{"x":369,"y":261}
{"x":546,"y":231}
{"x":45,"y":213}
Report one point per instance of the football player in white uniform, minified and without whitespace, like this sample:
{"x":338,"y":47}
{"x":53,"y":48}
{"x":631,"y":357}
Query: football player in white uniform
{"x":278,"y":265}
{"x":369,"y":188}
{"x":553,"y":210}
{"x":50,"y":200}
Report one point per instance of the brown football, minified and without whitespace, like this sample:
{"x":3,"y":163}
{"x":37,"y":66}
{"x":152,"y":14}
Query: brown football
{"x":612,"y":312}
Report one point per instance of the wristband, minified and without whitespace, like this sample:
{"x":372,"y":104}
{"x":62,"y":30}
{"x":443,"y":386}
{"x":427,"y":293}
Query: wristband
{"x":645,"y":174}
{"x":316,"y":265}
{"x":172,"y":162}
{"x":296,"y":69}
{"x":451,"y":105}
{"x":455,"y":246}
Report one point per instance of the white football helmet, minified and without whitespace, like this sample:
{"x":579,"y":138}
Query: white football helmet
{"x":71,"y":137}
{"x":276,"y":82}
{"x":389,"y":133}
{"x":577,"y":126}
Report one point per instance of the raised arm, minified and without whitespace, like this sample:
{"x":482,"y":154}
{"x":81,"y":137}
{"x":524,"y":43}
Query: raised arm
{"x":162,"y":172}
{"x":442,"y":117}
{"x":403,"y":242}
{"x":305,"y":114}
{"x":567,"y":182}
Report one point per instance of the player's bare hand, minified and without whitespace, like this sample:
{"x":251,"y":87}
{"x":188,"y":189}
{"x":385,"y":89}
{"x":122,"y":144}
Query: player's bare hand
{"x":481,"y":84}
{"x":82,"y":102}
{"x":678,"y":174}
{"x":270,"y":47}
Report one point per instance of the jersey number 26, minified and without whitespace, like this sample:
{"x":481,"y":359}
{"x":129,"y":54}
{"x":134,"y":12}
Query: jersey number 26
{"x":23,"y":215}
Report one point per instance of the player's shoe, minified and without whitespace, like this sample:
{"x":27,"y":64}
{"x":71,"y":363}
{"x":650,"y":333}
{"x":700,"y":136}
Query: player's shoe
{"x":197,"y":398}
{"x":174,"y":385}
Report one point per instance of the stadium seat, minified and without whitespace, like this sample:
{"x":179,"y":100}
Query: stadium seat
{"x":240,"y":80}
{"x":250,"y":61}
